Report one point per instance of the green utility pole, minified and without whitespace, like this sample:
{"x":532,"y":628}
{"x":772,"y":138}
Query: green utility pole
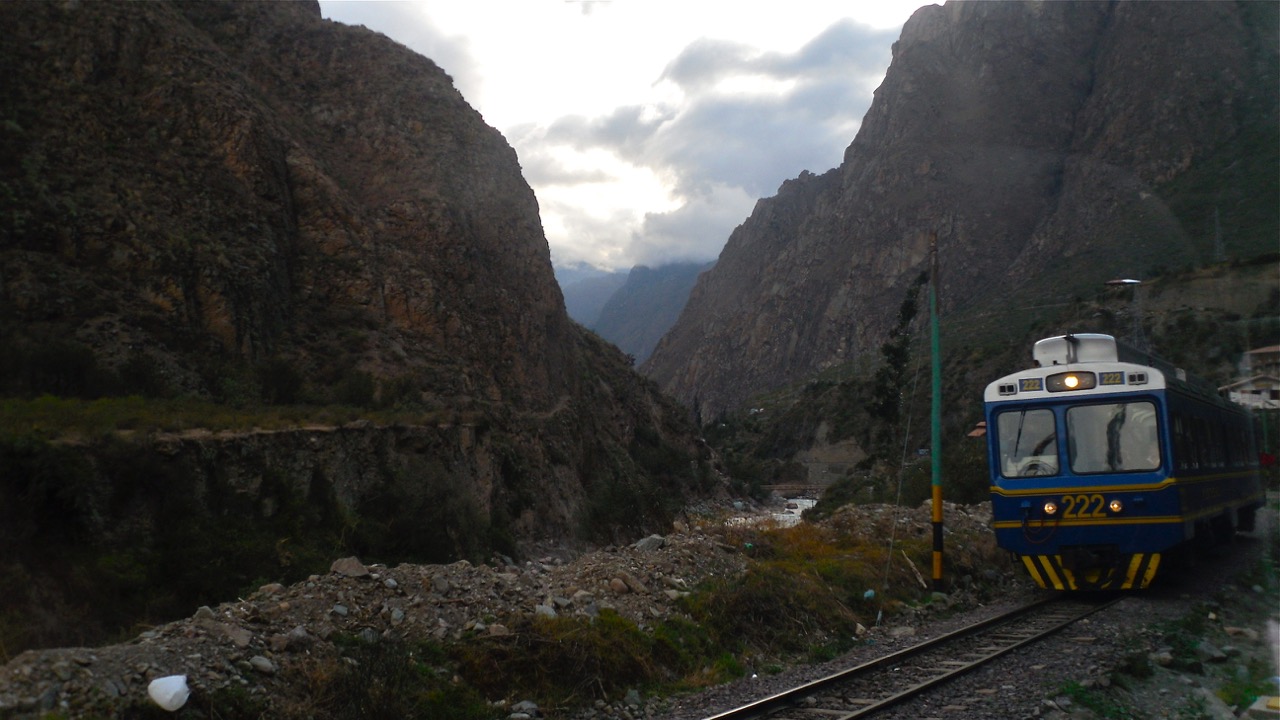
{"x":936,"y":416}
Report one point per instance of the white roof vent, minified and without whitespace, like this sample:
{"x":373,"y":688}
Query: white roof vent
{"x":1082,"y":348}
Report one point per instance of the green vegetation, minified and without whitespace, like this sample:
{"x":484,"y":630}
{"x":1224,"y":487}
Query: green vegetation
{"x":1099,"y":702}
{"x":144,"y":537}
{"x":385,"y":679}
{"x":151,"y":533}
{"x":56,"y":418}
{"x":568,"y":661}
{"x":1182,"y":636}
{"x":1242,"y":690}
{"x":31,"y":367}
{"x":801,"y":598}
{"x":882,"y":404}
{"x":646,"y":483}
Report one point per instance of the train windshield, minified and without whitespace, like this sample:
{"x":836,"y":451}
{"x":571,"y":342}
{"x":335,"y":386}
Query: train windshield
{"x":1028,"y":443}
{"x":1113,"y":437}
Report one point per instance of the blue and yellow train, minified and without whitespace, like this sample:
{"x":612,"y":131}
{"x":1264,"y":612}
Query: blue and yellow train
{"x":1104,"y":461}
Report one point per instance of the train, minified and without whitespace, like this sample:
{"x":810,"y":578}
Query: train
{"x":1106,"y":462}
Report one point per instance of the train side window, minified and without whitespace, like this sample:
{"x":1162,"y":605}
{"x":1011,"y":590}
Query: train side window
{"x":1028,"y":442}
{"x":1230,"y":442}
{"x":1204,"y":447}
{"x":1113,"y":437}
{"x":1181,"y":443}
{"x":1222,"y":438}
{"x":1195,"y":454}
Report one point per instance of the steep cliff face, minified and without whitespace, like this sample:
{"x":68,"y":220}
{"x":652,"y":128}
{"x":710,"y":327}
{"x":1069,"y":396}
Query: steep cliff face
{"x":243,"y":202}
{"x":247,"y":179}
{"x":1048,"y":145}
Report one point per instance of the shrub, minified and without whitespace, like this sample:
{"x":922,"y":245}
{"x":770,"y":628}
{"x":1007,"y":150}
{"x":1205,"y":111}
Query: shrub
{"x":795,"y":597}
{"x":57,"y":367}
{"x":356,"y":389}
{"x":385,"y":679}
{"x":140,"y":375}
{"x":279,"y":381}
{"x":561,"y":659}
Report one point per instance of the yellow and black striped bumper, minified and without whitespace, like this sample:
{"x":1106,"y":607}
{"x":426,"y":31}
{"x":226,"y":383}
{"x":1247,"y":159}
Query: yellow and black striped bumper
{"x":1050,"y":573}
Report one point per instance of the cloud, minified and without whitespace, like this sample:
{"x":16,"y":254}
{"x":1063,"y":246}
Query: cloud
{"x":722,"y":132}
{"x":809,"y":111}
{"x":590,"y":238}
{"x":743,"y":121}
{"x":706,"y":61}
{"x":694,"y":232}
{"x":703,"y":129}
{"x":843,"y":49}
{"x":542,"y":167}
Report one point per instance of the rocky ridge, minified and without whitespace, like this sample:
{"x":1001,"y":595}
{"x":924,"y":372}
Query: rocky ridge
{"x":1049,"y":147}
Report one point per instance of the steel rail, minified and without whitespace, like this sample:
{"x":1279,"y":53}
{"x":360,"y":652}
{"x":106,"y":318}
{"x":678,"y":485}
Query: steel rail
{"x":787,"y":699}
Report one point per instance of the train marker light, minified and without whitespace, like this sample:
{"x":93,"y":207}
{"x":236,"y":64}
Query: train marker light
{"x":1116,"y":506}
{"x":1050,"y":508}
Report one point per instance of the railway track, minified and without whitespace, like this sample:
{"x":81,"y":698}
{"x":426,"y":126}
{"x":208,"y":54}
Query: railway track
{"x":875,"y":686}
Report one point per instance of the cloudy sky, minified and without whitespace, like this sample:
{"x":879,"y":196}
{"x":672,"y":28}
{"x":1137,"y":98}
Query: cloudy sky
{"x":649,"y":128}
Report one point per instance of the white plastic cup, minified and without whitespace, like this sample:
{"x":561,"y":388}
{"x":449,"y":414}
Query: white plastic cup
{"x":169,"y":692}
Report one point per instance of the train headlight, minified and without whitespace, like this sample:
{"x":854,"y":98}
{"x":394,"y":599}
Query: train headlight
{"x":1115,"y":505}
{"x":1068,"y":381}
{"x":1050,"y":508}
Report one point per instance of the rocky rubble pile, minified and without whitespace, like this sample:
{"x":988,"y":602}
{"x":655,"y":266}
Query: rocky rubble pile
{"x":252,"y":645}
{"x":249,"y":642}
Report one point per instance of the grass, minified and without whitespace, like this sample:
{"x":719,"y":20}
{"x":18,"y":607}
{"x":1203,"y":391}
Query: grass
{"x":793,"y":601}
{"x":1241,"y":690}
{"x":57,"y":418}
{"x":385,"y":679}
{"x":1098,"y":702}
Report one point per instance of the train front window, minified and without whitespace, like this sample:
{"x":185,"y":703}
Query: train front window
{"x":1028,"y":443}
{"x":1113,"y":437}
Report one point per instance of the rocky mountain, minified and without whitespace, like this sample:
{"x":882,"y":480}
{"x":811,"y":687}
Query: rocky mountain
{"x":244,"y":204}
{"x":1048,"y":147}
{"x":249,"y":181}
{"x":586,"y":292}
{"x":640,"y":312}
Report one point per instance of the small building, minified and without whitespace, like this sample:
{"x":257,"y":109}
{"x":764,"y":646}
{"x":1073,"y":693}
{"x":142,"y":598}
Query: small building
{"x":1260,"y":392}
{"x":1262,"y":361}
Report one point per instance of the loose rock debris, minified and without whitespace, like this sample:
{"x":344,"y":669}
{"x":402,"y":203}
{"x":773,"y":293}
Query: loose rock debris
{"x":250,"y":642}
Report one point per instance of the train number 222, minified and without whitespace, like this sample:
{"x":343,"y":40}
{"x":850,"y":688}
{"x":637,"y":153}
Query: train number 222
{"x":1083,"y":506}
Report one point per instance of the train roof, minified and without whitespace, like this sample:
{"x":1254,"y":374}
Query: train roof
{"x":1096,"y":347}
{"x":1116,"y":366}
{"x":1071,"y":349}
{"x":1108,"y":378}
